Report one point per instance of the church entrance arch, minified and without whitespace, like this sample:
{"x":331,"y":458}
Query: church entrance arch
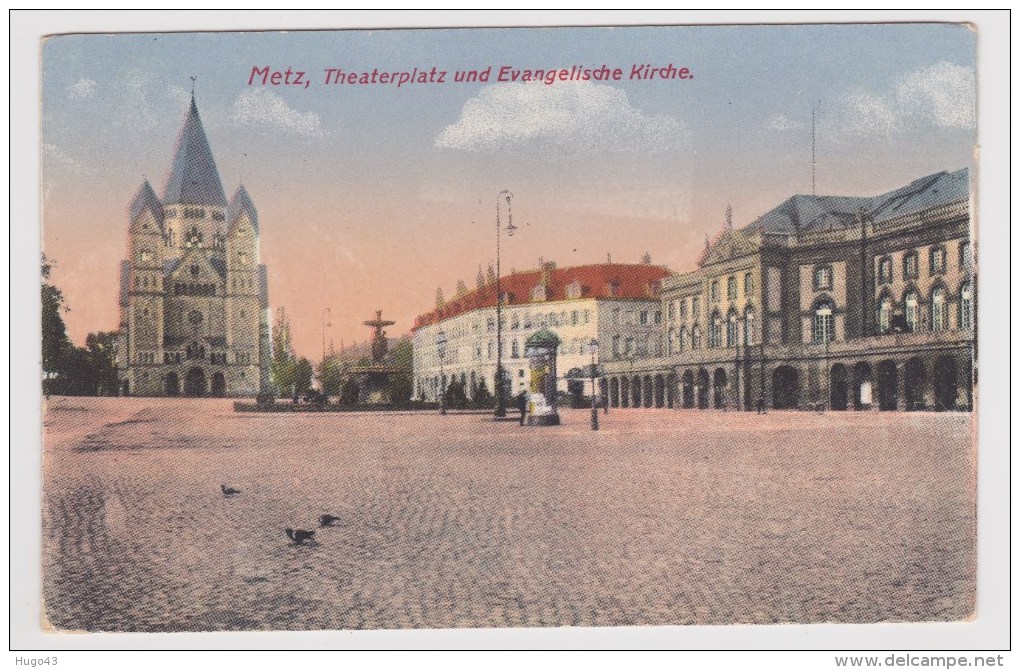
{"x":785,"y":390}
{"x":719,"y":388}
{"x":702,"y":388}
{"x":862,"y":385}
{"x":913,"y":384}
{"x":887,"y":381}
{"x":194,"y":383}
{"x":219,"y":385}
{"x":945,"y":383}
{"x":173,"y":385}
{"x":838,"y":387}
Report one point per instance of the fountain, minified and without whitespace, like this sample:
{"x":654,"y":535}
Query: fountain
{"x":373,"y":379}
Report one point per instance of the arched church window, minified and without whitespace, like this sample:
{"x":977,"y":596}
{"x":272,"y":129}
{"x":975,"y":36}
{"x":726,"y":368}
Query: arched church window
{"x":823,"y":329}
{"x":885,"y":308}
{"x":910,"y":311}
{"x":749,"y":325}
{"x":939,"y":311}
{"x":966,"y":307}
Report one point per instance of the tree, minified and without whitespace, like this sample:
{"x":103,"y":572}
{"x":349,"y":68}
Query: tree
{"x":481,"y":397}
{"x":282,"y":366}
{"x":302,"y":375}
{"x":331,"y":376}
{"x":401,"y":381}
{"x":56,"y":347}
{"x":101,"y":353}
{"x":350,"y":392}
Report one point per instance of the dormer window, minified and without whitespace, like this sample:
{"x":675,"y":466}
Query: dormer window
{"x":937,"y":261}
{"x":823,"y":278}
{"x":910,"y":266}
{"x":885,"y":271}
{"x":538,"y":293}
{"x":573,"y":290}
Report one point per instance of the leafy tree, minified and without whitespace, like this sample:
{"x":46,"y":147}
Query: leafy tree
{"x":303,"y":375}
{"x":331,"y":376}
{"x":282,"y":367}
{"x":456,"y":398}
{"x":56,"y":347}
{"x":481,"y":397}
{"x":401,"y":381}
{"x":350,"y":392}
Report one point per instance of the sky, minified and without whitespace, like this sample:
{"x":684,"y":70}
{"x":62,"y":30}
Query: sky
{"x":372,"y":196}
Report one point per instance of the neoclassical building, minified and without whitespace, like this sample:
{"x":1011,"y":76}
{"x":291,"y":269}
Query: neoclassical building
{"x":616,"y":304}
{"x":825,"y":301}
{"x":193,"y":295}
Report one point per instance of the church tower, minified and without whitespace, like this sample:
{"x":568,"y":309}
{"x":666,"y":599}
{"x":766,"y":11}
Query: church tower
{"x":193,"y":293}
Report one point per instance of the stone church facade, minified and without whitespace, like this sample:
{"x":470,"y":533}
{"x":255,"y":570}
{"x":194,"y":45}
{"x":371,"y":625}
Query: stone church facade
{"x":193,"y":294}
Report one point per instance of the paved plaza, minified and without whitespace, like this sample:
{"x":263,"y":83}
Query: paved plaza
{"x":663,"y":517}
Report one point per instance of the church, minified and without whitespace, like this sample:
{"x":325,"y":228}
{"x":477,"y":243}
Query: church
{"x":193,"y":294}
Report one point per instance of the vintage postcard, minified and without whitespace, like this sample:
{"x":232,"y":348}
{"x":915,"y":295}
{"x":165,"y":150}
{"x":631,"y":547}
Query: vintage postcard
{"x":509,"y":327}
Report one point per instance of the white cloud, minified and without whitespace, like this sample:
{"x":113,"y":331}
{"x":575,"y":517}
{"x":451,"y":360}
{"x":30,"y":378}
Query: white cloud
{"x":55,"y":153}
{"x":83,"y":88}
{"x":941,"y":96}
{"x":261,"y":107}
{"x":579,"y":115}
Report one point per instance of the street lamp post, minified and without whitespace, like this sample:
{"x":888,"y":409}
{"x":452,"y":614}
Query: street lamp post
{"x":510,"y":228}
{"x":325,"y":325}
{"x":594,"y":346}
{"x":441,"y":350}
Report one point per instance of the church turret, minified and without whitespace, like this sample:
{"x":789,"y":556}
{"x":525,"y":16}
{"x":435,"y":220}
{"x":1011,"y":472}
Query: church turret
{"x":243,"y":280}
{"x":193,"y":197}
{"x":144,"y":313}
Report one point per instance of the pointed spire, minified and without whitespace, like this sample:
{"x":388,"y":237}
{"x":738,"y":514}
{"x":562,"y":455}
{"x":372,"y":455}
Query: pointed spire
{"x":193,"y":178}
{"x":241,"y":204}
{"x":145,"y":200}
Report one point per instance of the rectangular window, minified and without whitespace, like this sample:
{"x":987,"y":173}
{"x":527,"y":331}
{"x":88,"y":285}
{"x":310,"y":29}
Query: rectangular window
{"x":671,"y":311}
{"x":965,"y":255}
{"x":715,"y":291}
{"x":616,"y":345}
{"x":587,"y":316}
{"x":748,"y":285}
{"x":644,"y":318}
{"x":683,"y":309}
{"x":573,"y":318}
{"x":937,"y":261}
{"x":885,"y":270}
{"x":731,"y":288}
{"x":823,"y":278}
{"x":658,"y":317}
{"x":695,"y":308}
{"x":910,"y":266}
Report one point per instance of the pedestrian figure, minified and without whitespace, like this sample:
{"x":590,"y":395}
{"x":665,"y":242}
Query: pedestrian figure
{"x":522,"y":404}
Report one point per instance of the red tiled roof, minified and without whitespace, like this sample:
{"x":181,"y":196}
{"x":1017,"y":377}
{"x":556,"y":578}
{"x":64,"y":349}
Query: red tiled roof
{"x":606,"y":280}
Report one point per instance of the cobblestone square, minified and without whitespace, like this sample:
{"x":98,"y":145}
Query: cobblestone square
{"x":662,"y":517}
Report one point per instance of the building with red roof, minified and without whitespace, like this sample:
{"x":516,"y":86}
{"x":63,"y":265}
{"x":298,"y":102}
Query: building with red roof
{"x":616,"y":304}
